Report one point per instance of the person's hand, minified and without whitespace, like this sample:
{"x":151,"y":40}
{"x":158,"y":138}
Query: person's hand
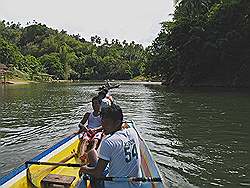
{"x":92,"y":131}
{"x":77,"y":132}
{"x":82,"y":128}
{"x":83,"y":169}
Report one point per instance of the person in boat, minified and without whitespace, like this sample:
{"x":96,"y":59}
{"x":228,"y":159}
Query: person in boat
{"x":119,"y":149}
{"x":107,"y":84}
{"x":92,"y":132}
{"x":106,"y":99}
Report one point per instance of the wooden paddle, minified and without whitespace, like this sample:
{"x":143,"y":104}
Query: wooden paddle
{"x":73,"y":154}
{"x":54,"y":164}
{"x":123,"y":179}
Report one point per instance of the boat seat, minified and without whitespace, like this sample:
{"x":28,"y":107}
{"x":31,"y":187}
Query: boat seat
{"x":57,"y":181}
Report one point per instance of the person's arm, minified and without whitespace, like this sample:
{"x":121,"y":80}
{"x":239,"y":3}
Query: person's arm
{"x":98,"y":129}
{"x":97,"y":170}
{"x":105,"y":155}
{"x":82,"y":127}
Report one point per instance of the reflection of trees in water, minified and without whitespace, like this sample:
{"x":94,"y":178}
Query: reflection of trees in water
{"x":195,"y":135}
{"x":201,"y":134}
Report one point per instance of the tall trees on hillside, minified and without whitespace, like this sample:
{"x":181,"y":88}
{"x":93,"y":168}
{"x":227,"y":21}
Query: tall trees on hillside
{"x":204,"y":44}
{"x":45,"y":50}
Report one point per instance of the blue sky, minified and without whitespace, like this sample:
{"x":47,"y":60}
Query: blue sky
{"x":133,"y":20}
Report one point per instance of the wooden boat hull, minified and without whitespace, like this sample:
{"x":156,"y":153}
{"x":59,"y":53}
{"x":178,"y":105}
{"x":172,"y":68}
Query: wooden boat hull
{"x":65,"y":151}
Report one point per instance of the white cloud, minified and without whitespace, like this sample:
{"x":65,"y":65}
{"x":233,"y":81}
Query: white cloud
{"x":136,"y":20}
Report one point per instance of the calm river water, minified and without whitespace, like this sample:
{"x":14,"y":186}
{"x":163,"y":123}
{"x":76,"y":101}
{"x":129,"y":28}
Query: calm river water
{"x":198,"y":137}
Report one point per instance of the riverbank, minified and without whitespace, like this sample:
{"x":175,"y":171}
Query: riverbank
{"x":131,"y":82}
{"x":98,"y":82}
{"x":18,"y":82}
{"x":211,"y":82}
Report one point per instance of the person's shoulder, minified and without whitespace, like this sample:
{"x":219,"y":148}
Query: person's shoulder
{"x":131,"y":131}
{"x":108,"y":140}
{"x":108,"y":137}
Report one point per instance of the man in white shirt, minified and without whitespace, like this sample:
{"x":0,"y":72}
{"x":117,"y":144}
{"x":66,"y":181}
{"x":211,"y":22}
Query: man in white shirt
{"x":106,"y":99}
{"x":120,"y":148}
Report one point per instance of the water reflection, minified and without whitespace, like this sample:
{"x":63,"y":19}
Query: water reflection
{"x":198,"y":137}
{"x":208,"y":134}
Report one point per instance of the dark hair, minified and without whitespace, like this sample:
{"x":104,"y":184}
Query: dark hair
{"x":96,"y":98}
{"x":113,"y":112}
{"x":103,"y":92}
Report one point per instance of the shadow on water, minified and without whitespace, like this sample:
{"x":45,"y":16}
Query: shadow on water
{"x":199,"y":137}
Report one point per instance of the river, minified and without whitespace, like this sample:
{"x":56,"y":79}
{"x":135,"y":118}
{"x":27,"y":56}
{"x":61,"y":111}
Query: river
{"x":198,"y":137}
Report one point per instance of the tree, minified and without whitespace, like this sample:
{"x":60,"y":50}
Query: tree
{"x":205,"y":42}
{"x":10,"y":54}
{"x":51,"y":64}
{"x":39,"y":49}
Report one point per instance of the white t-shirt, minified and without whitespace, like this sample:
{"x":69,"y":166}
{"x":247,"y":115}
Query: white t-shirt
{"x":122,"y":151}
{"x":94,"y":121}
{"x":105,"y":103}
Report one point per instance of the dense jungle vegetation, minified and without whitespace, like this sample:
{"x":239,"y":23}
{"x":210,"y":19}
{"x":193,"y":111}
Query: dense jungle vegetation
{"x":207,"y":43}
{"x":36,"y":50}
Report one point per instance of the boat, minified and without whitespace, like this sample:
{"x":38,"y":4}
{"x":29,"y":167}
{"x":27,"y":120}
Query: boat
{"x":108,"y":87}
{"x":59,"y":166}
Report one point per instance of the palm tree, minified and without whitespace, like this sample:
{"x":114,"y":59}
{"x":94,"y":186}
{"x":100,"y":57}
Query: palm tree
{"x":192,"y":8}
{"x":176,"y":1}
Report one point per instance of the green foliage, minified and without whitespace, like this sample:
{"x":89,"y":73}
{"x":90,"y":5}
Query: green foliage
{"x":207,"y":42}
{"x":39,"y":50}
{"x":32,"y":66}
{"x":51,"y":63}
{"x":9,"y":54}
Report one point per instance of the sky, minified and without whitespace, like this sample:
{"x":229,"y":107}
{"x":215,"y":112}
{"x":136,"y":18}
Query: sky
{"x":131,"y":20}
